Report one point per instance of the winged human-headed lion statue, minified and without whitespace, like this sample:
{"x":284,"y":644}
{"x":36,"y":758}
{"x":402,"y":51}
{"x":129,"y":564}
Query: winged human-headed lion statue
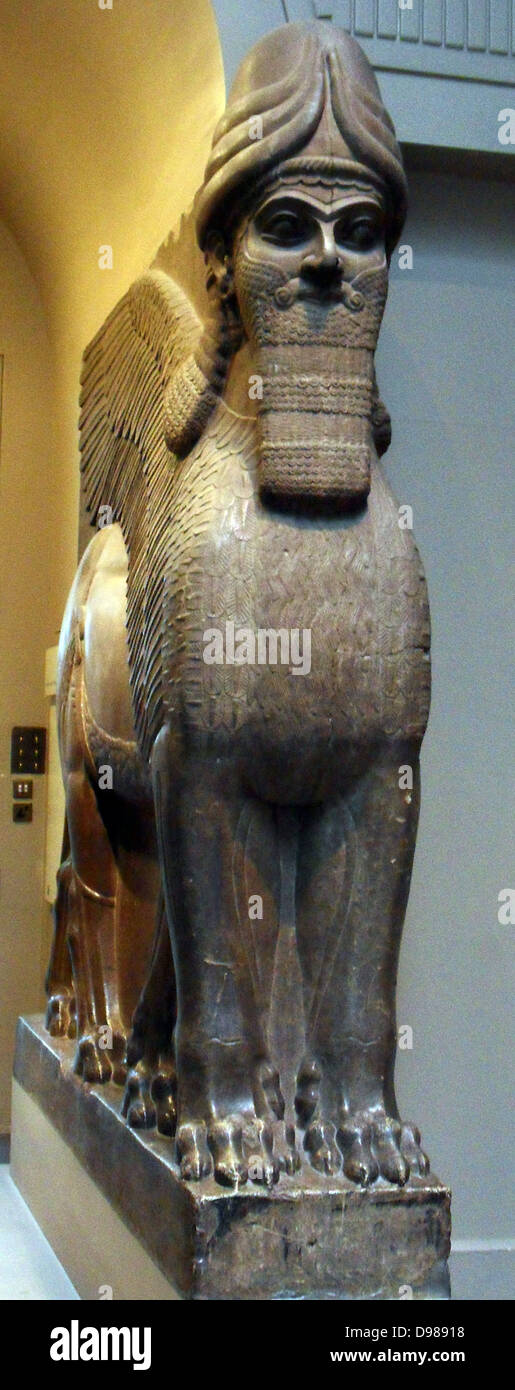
{"x":244,"y":659}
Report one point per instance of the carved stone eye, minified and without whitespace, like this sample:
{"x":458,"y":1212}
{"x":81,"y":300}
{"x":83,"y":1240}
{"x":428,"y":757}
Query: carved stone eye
{"x":283,"y":228}
{"x":362,"y":232}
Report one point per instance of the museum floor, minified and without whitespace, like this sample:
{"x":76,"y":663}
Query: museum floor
{"x":30,"y":1271}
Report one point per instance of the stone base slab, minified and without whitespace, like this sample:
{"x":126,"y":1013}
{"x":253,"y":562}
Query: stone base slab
{"x":163,"y":1238}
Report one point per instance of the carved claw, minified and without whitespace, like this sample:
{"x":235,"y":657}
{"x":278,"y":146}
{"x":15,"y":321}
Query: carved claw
{"x":225,"y":1139}
{"x":386,"y":1142}
{"x":258,"y":1151}
{"x":137,"y":1105}
{"x":307,"y":1096}
{"x":285,"y":1149}
{"x":320,"y":1144}
{"x":193,"y":1153}
{"x":268,"y":1094}
{"x":359,"y":1164}
{"x":413,"y":1152}
{"x":163,"y":1094}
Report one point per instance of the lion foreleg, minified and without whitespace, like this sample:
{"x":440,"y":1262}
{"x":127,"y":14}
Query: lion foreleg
{"x":355,"y":871}
{"x":149,"y":1098}
{"x":227,"y":1092}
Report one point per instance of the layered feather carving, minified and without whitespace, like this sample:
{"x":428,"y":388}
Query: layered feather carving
{"x":126,"y":464}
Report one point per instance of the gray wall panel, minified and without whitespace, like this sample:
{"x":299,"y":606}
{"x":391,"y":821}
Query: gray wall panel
{"x":421,"y":56}
{"x":444,"y":371}
{"x":452,"y":38}
{"x":242,"y":22}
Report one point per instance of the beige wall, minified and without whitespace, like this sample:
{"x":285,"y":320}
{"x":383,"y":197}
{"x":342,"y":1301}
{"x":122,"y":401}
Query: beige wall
{"x":105,"y":122}
{"x":26,"y":530}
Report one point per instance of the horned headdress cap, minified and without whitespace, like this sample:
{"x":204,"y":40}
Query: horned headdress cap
{"x":315,"y":95}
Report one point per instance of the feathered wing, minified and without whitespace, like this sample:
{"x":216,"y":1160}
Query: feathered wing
{"x":126,"y":464}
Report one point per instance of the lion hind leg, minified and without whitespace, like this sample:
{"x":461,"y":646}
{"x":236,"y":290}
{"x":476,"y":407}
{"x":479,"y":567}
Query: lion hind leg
{"x":61,"y":1008}
{"x":93,"y":893}
{"x":92,"y":886}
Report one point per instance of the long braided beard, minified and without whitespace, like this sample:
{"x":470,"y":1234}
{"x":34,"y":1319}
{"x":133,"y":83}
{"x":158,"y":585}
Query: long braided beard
{"x":315,"y":362}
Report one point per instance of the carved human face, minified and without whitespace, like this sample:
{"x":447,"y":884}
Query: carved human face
{"x":322,"y":236}
{"x":310,"y":276}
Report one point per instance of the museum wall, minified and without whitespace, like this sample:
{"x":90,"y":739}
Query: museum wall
{"x":105,"y":120}
{"x":27,"y":547}
{"x":442,"y":366}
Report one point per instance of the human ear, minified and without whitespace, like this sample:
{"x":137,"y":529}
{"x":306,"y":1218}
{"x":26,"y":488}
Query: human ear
{"x":219,"y":263}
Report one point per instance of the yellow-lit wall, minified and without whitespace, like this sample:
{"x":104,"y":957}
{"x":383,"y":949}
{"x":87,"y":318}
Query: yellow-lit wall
{"x":26,"y":543}
{"x":106,"y":117}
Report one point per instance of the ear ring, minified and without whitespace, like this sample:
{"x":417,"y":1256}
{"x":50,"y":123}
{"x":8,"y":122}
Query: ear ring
{"x":226,"y":281}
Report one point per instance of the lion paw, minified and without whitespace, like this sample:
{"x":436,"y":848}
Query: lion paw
{"x":61,"y":1019}
{"x":371,"y":1148}
{"x":149,"y":1099}
{"x":235,"y":1149}
{"x":100,"y":1056}
{"x":242,"y":1149}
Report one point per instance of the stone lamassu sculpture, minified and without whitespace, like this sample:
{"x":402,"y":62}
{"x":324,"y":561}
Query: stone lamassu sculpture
{"x":246,"y":649}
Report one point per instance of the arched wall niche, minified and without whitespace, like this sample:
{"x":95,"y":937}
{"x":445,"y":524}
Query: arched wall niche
{"x":106,"y":117}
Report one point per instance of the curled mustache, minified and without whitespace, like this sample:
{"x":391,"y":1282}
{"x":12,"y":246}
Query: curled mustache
{"x":339,"y":291}
{"x":296,"y":289}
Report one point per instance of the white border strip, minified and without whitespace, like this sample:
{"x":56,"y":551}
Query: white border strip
{"x":460,"y":1247}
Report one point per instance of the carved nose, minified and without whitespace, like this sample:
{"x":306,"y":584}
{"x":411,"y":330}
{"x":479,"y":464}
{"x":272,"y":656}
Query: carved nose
{"x":322,"y":268}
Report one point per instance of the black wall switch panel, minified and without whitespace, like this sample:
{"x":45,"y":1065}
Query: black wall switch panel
{"x":28,"y":750}
{"x":22,"y":789}
{"x":22,"y":810}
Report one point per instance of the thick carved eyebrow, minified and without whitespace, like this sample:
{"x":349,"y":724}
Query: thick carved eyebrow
{"x":359,"y":208}
{"x":287,"y":202}
{"x":328,"y":212}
